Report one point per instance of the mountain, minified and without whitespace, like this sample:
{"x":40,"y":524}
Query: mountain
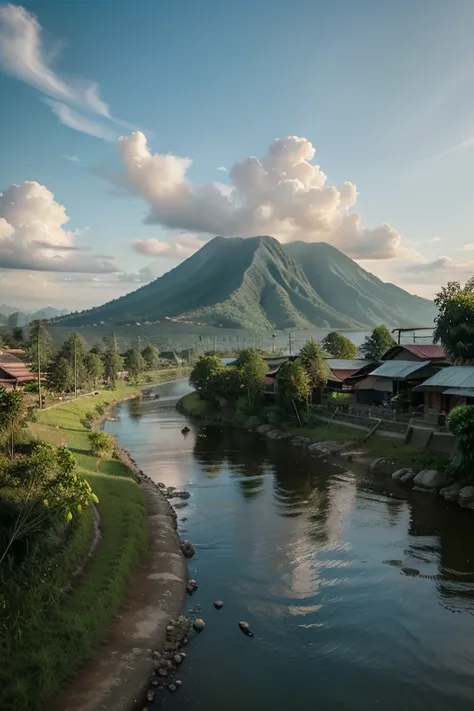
{"x":18,"y":319}
{"x":355,"y":292}
{"x":257,"y":283}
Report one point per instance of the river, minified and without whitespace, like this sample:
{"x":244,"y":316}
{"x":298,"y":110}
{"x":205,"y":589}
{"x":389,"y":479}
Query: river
{"x":357,"y":600}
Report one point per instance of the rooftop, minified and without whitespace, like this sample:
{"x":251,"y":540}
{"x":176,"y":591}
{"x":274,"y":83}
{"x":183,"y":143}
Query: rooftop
{"x":15,"y":368}
{"x":423,"y":351}
{"x":455,"y":376}
{"x":399,"y":369}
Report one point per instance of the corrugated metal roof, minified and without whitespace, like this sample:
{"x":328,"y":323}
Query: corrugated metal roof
{"x":460,"y":392}
{"x":427,"y":351}
{"x":15,"y":368}
{"x":398,"y":369}
{"x":455,"y":376}
{"x":337,"y":374}
{"x":346,"y":363}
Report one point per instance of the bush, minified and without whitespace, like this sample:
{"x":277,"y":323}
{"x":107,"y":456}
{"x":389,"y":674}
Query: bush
{"x":102,"y":444}
{"x":461,"y":424}
{"x":252,"y":422}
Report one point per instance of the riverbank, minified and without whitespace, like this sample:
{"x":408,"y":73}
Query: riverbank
{"x":394,"y":449}
{"x":59,"y":638}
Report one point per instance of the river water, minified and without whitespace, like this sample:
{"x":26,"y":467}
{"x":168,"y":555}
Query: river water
{"x":357,"y":600}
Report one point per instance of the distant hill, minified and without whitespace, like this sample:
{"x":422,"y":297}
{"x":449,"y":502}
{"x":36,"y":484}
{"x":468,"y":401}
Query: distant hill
{"x":355,"y":292}
{"x":18,"y":319}
{"x":258,"y":284}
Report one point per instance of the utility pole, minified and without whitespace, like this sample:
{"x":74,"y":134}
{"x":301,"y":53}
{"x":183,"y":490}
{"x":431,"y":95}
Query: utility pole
{"x":290,"y":343}
{"x":273,"y":342}
{"x":38,"y":356}
{"x":75,"y":367}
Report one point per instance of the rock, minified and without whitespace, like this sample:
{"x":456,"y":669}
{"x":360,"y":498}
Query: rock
{"x":377,"y":464}
{"x":185,"y":641}
{"x":430,"y":479}
{"x":150,"y":694}
{"x":466,"y":495}
{"x":199,"y":624}
{"x":327,"y":448}
{"x":218,"y":604}
{"x":396,"y":476}
{"x":177,"y":658}
{"x":156,"y":656}
{"x":191,"y":586}
{"x":451,"y":492}
{"x":185,"y":430}
{"x":244,"y":626}
{"x":408,"y":477}
{"x":263,"y":429}
{"x":178,"y":682}
{"x":163,"y":672}
{"x":187,"y":549}
{"x":183,"y":655}
{"x":471,"y":506}
{"x":181,"y":494}
{"x":172,"y":687}
{"x":276,"y":434}
{"x":170,"y":628}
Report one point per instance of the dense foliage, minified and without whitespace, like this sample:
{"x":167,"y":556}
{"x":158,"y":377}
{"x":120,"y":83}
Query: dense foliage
{"x":134,"y":362}
{"x":461,"y":424}
{"x":455,"y":321}
{"x":151,"y":356}
{"x":378,"y":343}
{"x":339,"y":346}
{"x":293,"y":383}
{"x":251,"y":369}
{"x":102,"y":444}
{"x":13,"y":414}
{"x":312,"y":359}
{"x":203,"y":377}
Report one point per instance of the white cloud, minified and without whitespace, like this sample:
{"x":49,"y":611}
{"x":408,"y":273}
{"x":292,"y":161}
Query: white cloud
{"x":73,"y":159}
{"x":79,"y":122}
{"x":441,"y":263}
{"x":222,"y":169}
{"x":33,"y":234}
{"x":283,"y":194}
{"x":23,"y":56}
{"x":179,"y":246}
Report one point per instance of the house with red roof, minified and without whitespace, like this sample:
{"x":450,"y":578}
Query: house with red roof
{"x":13,"y":371}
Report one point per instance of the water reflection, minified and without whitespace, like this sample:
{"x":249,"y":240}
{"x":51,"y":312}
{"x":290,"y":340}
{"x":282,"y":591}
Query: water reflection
{"x":344,"y":586}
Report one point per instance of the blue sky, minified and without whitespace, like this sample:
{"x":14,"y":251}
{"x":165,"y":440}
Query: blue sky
{"x":383,"y":92}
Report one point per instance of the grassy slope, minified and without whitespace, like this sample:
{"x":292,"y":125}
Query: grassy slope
{"x":63,"y":636}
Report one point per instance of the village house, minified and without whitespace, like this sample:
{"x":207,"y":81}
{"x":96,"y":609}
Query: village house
{"x":446,"y":389}
{"x":13,"y":371}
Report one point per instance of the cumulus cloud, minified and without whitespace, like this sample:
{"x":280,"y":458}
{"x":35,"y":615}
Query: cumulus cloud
{"x":179,"y":246}
{"x":435,"y":265}
{"x":23,"y":56}
{"x":33,"y":234}
{"x":283,"y":194}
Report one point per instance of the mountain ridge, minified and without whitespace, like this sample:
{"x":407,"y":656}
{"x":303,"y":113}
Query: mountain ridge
{"x":258,"y":283}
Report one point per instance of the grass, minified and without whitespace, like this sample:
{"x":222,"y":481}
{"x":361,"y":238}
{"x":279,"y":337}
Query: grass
{"x":56,"y":639}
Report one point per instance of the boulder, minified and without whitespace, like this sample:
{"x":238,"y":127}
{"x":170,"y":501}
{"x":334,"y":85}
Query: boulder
{"x":396,"y":476}
{"x":218,"y":604}
{"x":326,"y":449}
{"x":376,"y":465}
{"x":181,"y":494}
{"x":466,"y":495}
{"x":408,"y":477}
{"x":430,"y":479}
{"x":451,"y":492}
{"x":262,"y":429}
{"x":187,"y":549}
{"x":199,"y":624}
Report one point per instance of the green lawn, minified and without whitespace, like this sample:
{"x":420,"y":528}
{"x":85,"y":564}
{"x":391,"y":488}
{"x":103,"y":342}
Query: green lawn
{"x":55,"y":640}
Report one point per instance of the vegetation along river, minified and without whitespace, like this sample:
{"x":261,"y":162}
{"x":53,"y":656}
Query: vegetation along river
{"x":357,"y":600}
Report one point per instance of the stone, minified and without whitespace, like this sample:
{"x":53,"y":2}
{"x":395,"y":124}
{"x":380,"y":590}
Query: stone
{"x":451,"y":492}
{"x":178,"y":682}
{"x":263,"y":429}
{"x":199,"y":624}
{"x":466,"y":495}
{"x":181,"y":494}
{"x":172,"y":687}
{"x":471,"y":506}
{"x":396,"y":476}
{"x":156,"y":656}
{"x":408,"y":477}
{"x":244,"y":626}
{"x":431,"y":479}
{"x":276,"y":434}
{"x":150,"y":694}
{"x":187,"y":549}
{"x":191,"y":586}
{"x":177,"y":658}
{"x":376,"y":464}
{"x":218,"y":604}
{"x":185,"y":430}
{"x":163,"y":672}
{"x":426,"y":491}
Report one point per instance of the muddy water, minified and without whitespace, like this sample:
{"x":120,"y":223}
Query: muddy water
{"x":357,"y":600}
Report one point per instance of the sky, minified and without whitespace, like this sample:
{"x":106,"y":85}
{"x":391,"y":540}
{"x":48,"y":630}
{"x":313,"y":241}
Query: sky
{"x":132,"y":133}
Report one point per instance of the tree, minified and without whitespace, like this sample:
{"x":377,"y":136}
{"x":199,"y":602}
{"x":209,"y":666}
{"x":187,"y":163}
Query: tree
{"x":252,"y":369}
{"x":461,"y":424}
{"x":102,"y":444}
{"x":134,"y":362}
{"x":151,"y":356}
{"x":228,"y":383}
{"x":378,"y":343}
{"x":339,"y":346}
{"x":94,"y":366}
{"x":293,"y":383}
{"x":203,"y":375}
{"x":113,"y":362}
{"x":39,"y":351}
{"x":312,"y":359}
{"x":13,"y":413}
{"x":61,"y":376}
{"x":72,"y":352}
{"x":455,"y":321}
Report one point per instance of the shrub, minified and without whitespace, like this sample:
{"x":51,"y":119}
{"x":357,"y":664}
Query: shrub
{"x":461,"y":424}
{"x":102,"y":444}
